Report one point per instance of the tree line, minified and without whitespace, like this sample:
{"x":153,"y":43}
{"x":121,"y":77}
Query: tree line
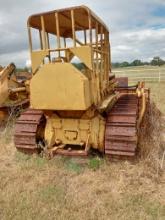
{"x":156,"y":61}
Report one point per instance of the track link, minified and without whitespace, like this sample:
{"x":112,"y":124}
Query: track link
{"x":29,"y":131}
{"x":121,"y":127}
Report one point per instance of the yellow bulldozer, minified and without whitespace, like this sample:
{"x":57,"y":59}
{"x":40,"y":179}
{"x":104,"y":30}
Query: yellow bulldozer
{"x":77,"y":109}
{"x":13,"y":92}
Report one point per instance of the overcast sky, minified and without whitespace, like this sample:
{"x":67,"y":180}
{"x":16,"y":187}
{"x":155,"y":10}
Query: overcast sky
{"x":137,"y":27}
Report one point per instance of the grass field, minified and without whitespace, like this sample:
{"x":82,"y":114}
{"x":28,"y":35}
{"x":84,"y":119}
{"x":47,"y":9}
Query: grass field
{"x":145,"y":73}
{"x":90,"y":189}
{"x":157,"y":89}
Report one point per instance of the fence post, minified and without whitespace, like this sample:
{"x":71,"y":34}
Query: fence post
{"x":159,"y":74}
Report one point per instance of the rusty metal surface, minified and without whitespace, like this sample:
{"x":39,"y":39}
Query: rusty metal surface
{"x":121,"y":127}
{"x":72,"y":153}
{"x":26,"y":138}
{"x":128,"y":90}
{"x":122,"y":81}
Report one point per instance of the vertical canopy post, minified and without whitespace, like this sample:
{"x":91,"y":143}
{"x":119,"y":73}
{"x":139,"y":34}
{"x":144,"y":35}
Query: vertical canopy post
{"x":58,"y":32}
{"x":73,"y":28}
{"x":90,"y":28}
{"x":47,"y":41}
{"x":43,"y":33}
{"x":30,"y":38}
{"x":96,"y":36}
{"x":41,"y":44}
{"x":85,"y":37}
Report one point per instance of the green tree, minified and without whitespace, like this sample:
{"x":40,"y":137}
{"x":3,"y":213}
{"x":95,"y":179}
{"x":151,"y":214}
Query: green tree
{"x":115,"y":65}
{"x":157,"y":61}
{"x":124,"y":64}
{"x":137,"y":63}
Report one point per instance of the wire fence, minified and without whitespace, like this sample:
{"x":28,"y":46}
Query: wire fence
{"x":147,"y":75}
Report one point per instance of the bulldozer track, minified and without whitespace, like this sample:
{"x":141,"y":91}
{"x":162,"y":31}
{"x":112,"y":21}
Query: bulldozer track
{"x":121,"y":133}
{"x":28,"y":131}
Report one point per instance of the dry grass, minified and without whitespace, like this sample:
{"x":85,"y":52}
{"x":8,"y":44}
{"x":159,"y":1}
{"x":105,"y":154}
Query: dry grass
{"x":62,"y":188}
{"x":157,"y":95}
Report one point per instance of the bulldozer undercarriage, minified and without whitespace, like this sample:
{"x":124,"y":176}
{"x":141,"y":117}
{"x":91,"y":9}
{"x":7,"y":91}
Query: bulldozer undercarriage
{"x":121,"y":130}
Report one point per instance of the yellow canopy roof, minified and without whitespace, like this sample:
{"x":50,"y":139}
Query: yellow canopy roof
{"x":81,"y":15}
